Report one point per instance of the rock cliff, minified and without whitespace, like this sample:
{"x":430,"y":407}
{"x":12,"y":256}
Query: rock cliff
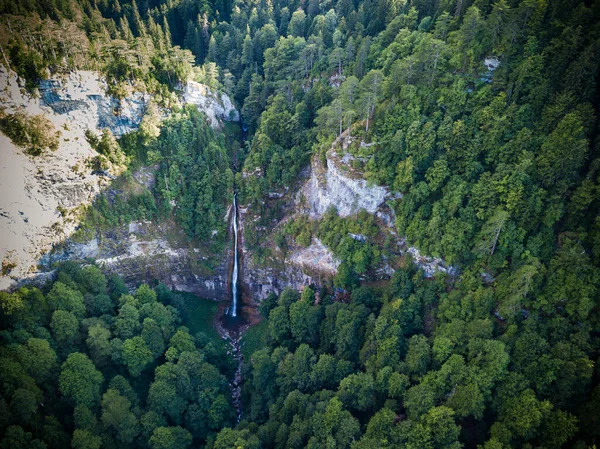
{"x":148,"y":252}
{"x":41,"y":196}
{"x":304,"y":266}
{"x":335,"y":183}
{"x":216,"y":106}
{"x":338,"y":184}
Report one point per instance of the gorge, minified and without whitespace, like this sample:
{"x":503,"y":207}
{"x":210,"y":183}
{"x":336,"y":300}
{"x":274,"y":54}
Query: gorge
{"x":285,"y":224}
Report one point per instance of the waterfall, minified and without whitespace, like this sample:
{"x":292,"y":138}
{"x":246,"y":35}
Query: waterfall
{"x":234,"y":274}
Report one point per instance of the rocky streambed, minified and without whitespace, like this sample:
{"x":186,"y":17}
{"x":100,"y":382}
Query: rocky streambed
{"x":236,"y":383}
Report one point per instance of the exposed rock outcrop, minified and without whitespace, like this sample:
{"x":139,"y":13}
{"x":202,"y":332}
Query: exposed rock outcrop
{"x":41,"y":196}
{"x":298,"y":269}
{"x":217,"y":106}
{"x":337,"y":184}
{"x":141,"y":252}
{"x":260,"y":281}
{"x":81,"y":96}
{"x":316,"y":257}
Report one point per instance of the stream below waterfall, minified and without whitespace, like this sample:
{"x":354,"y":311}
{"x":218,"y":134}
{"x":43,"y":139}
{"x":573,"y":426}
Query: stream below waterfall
{"x":236,"y":384}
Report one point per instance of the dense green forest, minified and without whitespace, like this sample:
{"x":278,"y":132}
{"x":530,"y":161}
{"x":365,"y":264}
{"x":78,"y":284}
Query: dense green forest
{"x":194,"y":181}
{"x":483,"y":114}
{"x":87,"y":365}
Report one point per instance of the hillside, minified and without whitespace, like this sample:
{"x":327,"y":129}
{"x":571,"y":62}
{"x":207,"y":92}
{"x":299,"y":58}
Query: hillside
{"x":45,"y":196}
{"x":417,"y":212}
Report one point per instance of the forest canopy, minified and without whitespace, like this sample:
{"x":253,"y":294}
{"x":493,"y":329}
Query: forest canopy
{"x":481,"y":117}
{"x":86,"y":364}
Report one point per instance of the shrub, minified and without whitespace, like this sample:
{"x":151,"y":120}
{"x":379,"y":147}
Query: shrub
{"x":34,"y":133}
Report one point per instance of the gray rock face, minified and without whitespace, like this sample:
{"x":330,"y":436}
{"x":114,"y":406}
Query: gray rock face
{"x":259,"y":282}
{"x":85,"y":91}
{"x":38,"y":206}
{"x":429,"y":265}
{"x":337,"y":188}
{"x":315,"y":258}
{"x":305,"y":266}
{"x":138,"y":253}
{"x":302,"y":266}
{"x":175,"y":269}
{"x":217,"y":106}
{"x":339,"y":185}
{"x":41,"y":196}
{"x":178,"y":268}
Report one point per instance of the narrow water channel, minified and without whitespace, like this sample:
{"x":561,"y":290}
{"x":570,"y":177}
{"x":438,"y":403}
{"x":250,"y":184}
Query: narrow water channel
{"x":235,"y":271}
{"x":232,"y":326}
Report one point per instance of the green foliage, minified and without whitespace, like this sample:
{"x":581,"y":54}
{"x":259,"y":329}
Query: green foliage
{"x":119,"y":376}
{"x":64,"y":298}
{"x":80,"y":382}
{"x":83,"y":439}
{"x":301,"y":230}
{"x":405,"y":386}
{"x":65,"y":327}
{"x":357,"y":391}
{"x":35,"y":133}
{"x":170,"y":438}
{"x":194,"y":180}
{"x":136,"y":355}
{"x":498,"y":173}
{"x":28,"y":64}
{"x":106,"y":145}
{"x":10,"y":303}
{"x":350,"y":239}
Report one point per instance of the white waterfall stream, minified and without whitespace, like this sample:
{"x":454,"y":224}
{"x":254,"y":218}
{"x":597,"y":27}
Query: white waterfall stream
{"x":234,"y":274}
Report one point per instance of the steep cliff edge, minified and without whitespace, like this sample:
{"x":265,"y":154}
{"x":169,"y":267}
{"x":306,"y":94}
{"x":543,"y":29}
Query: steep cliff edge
{"x":336,"y":184}
{"x":42,"y":196}
{"x":147,"y":252}
{"x":217,"y":106}
{"x":339,"y":185}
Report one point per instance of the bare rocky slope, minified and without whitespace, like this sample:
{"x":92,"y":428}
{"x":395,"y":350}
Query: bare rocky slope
{"x":333,"y":184}
{"x":337,"y":184}
{"x":42,"y":196}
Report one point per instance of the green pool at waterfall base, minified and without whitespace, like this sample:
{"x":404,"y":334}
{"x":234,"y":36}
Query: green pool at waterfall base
{"x":200,"y":315}
{"x":200,"y":318}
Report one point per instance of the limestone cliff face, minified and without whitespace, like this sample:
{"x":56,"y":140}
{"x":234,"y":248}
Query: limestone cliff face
{"x":303,"y":267}
{"x":298,"y":268}
{"x":337,"y":184}
{"x":216,"y":106}
{"x":140,"y":252}
{"x":81,"y":97}
{"x":41,"y":196}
